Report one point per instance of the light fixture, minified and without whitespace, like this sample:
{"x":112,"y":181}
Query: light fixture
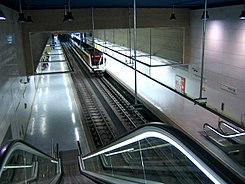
{"x":28,"y":18}
{"x":2,"y":16}
{"x":21,"y":18}
{"x":203,"y":15}
{"x":242,"y":16}
{"x":68,"y":15}
{"x":65,"y":15}
{"x":173,"y":17}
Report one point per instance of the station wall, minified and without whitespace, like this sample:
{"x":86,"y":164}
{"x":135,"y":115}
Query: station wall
{"x":224,"y":58}
{"x":16,"y":89}
{"x":224,"y":82}
{"x":166,"y":42}
{"x":224,"y":53}
{"x":38,"y":42}
{"x":104,"y":18}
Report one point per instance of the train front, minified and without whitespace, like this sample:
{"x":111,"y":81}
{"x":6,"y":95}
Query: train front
{"x":98,"y":63}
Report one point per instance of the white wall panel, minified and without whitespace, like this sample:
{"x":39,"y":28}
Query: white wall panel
{"x":224,"y":56}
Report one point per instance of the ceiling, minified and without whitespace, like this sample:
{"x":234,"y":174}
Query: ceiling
{"x":57,"y":4}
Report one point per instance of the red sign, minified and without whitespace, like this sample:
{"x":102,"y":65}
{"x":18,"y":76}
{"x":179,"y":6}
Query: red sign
{"x":180,"y":84}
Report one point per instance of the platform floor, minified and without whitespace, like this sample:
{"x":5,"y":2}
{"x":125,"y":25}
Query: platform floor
{"x":55,"y":116}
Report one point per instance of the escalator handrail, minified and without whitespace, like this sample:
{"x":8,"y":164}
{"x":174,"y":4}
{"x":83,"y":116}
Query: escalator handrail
{"x":230,"y":127}
{"x":225,"y":136}
{"x":11,"y":146}
{"x":213,"y":162}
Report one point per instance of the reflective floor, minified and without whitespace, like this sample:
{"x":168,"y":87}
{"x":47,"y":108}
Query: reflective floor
{"x":54,"y":116}
{"x":53,"y":60}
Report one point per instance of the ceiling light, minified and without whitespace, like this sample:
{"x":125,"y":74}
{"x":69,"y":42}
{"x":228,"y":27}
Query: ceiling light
{"x":2,"y":16}
{"x":68,"y":15}
{"x":65,"y":15}
{"x":173,"y":17}
{"x":21,"y":18}
{"x":29,"y":19}
{"x":203,"y":15}
{"x":242,"y":16}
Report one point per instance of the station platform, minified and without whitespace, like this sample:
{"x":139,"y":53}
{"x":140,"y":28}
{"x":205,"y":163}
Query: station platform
{"x":55,"y":117}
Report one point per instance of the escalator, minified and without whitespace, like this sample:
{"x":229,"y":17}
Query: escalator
{"x":230,"y":139}
{"x":153,"y":153}
{"x":157,"y":153}
{"x":70,"y":169}
{"x":22,"y":163}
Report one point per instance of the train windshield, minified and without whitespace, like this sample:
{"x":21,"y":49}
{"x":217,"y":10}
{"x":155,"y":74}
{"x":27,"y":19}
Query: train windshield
{"x":97,"y":57}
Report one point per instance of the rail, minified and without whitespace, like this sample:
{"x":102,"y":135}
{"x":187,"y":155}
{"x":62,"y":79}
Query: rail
{"x":125,"y":103}
{"x":224,"y":126}
{"x":97,"y":122}
{"x":22,"y":163}
{"x":235,"y":135}
{"x":155,"y":153}
{"x":227,"y":128}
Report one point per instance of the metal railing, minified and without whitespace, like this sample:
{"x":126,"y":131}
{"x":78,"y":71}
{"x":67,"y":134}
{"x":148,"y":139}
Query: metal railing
{"x":155,"y":153}
{"x":226,"y":136}
{"x":22,"y":163}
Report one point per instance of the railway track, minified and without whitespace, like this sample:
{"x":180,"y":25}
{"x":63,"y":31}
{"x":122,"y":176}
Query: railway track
{"x":128,"y":115}
{"x":89,"y":88}
{"x":96,"y":120}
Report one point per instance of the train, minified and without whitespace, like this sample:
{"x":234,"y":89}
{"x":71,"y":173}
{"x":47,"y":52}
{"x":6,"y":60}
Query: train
{"x":92,"y":57}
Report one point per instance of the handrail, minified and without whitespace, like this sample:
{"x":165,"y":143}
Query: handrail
{"x":204,"y":161}
{"x":9,"y":146}
{"x":22,"y":155}
{"x":223,"y":135}
{"x":230,"y":127}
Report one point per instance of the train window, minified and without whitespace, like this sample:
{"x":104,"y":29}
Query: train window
{"x":97,"y":59}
